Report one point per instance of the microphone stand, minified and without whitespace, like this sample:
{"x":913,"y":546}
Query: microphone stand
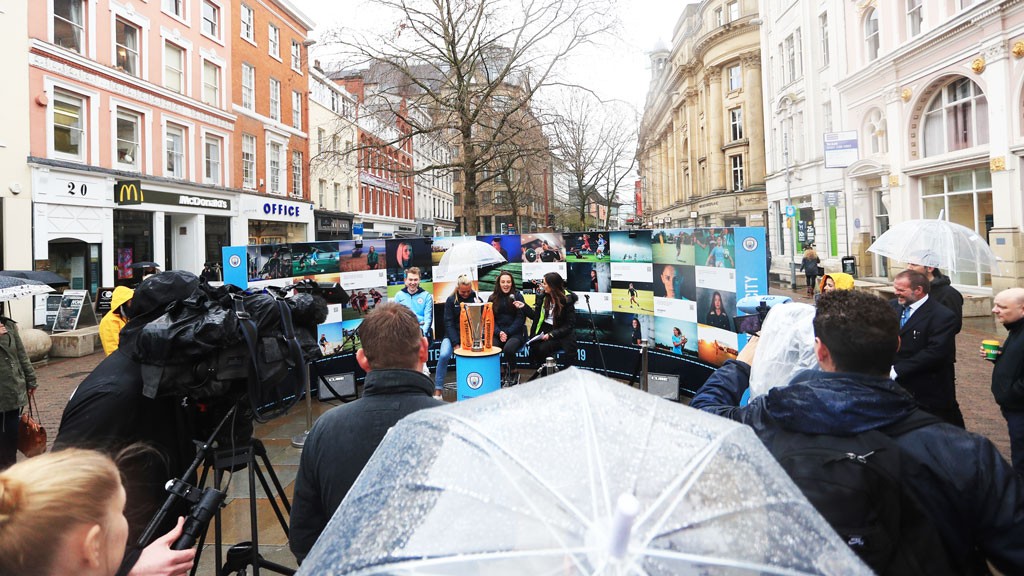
{"x":593,"y":334}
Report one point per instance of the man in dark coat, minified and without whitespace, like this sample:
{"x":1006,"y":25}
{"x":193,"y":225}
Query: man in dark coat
{"x":341,"y":442}
{"x":924,"y":363}
{"x":962,"y":483}
{"x":1008,"y":373}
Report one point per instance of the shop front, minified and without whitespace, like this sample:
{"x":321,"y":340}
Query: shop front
{"x":272,"y":220}
{"x":332,"y":225}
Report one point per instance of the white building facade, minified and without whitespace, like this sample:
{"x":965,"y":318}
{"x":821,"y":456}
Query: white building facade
{"x":334,"y":174}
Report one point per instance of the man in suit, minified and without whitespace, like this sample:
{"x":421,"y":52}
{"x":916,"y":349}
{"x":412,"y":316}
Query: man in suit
{"x":924,"y":361}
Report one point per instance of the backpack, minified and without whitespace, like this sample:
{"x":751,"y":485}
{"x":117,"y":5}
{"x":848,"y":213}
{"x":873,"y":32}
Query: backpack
{"x":857,"y":483}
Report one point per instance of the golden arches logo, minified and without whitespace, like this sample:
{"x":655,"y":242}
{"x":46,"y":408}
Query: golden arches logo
{"x":129,"y":193}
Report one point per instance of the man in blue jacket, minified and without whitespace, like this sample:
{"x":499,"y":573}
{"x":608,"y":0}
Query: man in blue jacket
{"x":969,"y":492}
{"x":341,"y":442}
{"x":464,"y":294}
{"x":419,"y":301}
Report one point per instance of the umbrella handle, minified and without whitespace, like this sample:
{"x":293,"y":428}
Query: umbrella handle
{"x":626,"y":510}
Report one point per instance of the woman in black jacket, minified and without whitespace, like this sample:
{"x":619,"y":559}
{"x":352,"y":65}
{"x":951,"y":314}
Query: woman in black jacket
{"x":509,"y":320}
{"x":554,"y":318}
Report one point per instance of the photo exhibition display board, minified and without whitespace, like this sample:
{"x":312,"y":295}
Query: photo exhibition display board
{"x":677,"y":288}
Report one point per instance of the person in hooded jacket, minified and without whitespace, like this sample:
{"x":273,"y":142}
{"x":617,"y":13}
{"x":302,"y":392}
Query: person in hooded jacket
{"x":17,"y":383}
{"x":554,"y":320}
{"x":114,"y":320}
{"x":962,"y":484}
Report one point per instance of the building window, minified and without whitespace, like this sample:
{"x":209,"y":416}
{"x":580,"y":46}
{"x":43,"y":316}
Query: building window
{"x":297,"y":110}
{"x":794,"y":63}
{"x":68,"y":126}
{"x":734,"y":11}
{"x":296,"y":173}
{"x":963,"y":197}
{"x":69,"y":24}
{"x":871,"y":35}
{"x":211,"y":153}
{"x":296,"y":56}
{"x":274,"y":41}
{"x":826,"y":116}
{"x":127,"y":147}
{"x":914,"y":9}
{"x":322,"y":193}
{"x":718,"y":17}
{"x":211,"y":19}
{"x":126,"y":47}
{"x":176,"y":7}
{"x":275,"y":100}
{"x":174,"y":68}
{"x":274,"y":167}
{"x":248,"y":86}
{"x":736,"y":124}
{"x":956,"y":118}
{"x":211,"y":83}
{"x":874,"y":132}
{"x":175,"y":148}
{"x":337,"y":196}
{"x":248,"y":18}
{"x":321,"y":137}
{"x":735,"y":78}
{"x":248,"y":162}
{"x":737,"y":172}
{"x":823,"y":27}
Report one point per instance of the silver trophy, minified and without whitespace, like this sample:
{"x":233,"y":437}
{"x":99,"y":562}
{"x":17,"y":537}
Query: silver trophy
{"x":474,"y":314}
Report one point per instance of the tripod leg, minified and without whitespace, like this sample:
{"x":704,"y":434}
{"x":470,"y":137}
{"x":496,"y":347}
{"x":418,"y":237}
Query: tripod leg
{"x":270,"y":497}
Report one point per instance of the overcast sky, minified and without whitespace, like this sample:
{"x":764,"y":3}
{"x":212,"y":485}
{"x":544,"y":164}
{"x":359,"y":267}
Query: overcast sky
{"x":619,"y":70}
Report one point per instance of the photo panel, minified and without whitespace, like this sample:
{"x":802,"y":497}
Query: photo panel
{"x":715,"y":346}
{"x":583,"y":247}
{"x":274,"y":262}
{"x":600,"y":320}
{"x":543,"y":248}
{"x":314,"y":258}
{"x":507,"y":244}
{"x":676,"y":336}
{"x":632,"y":289}
{"x":489,"y":276}
{"x":715,"y":247}
{"x":350,"y":335}
{"x":631,"y":246}
{"x":677,"y":281}
{"x":673,"y":246}
{"x":682,"y":310}
{"x":406,"y":252}
{"x":330,"y":337}
{"x":593,"y":277}
{"x":357,"y":255}
{"x":365,"y":291}
{"x":441,"y":244}
{"x":716,"y":308}
{"x":631,"y":327}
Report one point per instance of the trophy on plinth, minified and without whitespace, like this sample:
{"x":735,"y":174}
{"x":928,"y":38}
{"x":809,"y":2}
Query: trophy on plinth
{"x":476,"y":321}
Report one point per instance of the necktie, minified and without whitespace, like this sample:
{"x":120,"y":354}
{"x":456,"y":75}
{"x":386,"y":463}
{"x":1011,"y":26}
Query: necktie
{"x":903,"y":317}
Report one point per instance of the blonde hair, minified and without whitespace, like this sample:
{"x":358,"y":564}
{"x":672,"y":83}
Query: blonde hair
{"x":43,"y":498}
{"x":810,"y":253}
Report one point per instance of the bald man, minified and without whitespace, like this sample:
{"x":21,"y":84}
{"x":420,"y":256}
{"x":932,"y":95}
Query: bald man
{"x":1008,"y":372}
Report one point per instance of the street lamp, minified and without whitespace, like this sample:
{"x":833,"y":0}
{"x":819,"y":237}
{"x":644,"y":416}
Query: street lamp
{"x":789,"y":202}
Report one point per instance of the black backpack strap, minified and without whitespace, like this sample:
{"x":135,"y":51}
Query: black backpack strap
{"x":917,"y":419}
{"x":249,"y":332}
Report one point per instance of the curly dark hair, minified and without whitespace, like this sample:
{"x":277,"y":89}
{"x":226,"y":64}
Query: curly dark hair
{"x":860,"y":330}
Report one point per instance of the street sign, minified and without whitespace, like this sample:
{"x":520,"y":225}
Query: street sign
{"x":832,"y":198}
{"x":790,"y":211}
{"x":840,"y":148}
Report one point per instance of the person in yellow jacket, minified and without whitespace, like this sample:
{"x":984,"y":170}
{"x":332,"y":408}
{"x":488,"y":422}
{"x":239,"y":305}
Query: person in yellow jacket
{"x":113,"y":321}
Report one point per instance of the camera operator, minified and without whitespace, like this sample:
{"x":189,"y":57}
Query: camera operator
{"x":343,"y":439}
{"x":109,"y":412}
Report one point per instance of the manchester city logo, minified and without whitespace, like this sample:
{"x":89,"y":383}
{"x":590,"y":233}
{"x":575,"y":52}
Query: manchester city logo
{"x":235,"y":261}
{"x":750,"y":243}
{"x":474,"y":380}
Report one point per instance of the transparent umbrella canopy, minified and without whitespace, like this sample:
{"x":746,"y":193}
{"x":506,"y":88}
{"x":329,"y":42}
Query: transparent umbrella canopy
{"x":468,"y":256}
{"x":937,"y":243}
{"x":575,"y":474}
{"x":12,"y":288}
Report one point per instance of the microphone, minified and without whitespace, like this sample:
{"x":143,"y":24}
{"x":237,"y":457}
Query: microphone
{"x":587,"y":298}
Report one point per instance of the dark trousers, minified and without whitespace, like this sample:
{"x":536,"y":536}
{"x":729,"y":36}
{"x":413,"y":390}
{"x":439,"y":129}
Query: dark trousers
{"x":811,"y":280}
{"x":509,"y":349}
{"x":1015,"y":423}
{"x":9,"y":421}
{"x":541,"y":349}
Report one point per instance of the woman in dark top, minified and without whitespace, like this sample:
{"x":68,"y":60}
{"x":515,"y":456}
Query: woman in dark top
{"x":637,"y":333}
{"x":554,"y":318}
{"x":509,"y":320}
{"x":716,"y":314}
{"x":593,"y":281}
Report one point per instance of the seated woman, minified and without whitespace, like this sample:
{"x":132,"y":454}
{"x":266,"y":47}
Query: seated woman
{"x":554,"y":319}
{"x":509,"y":320}
{"x":63,"y":513}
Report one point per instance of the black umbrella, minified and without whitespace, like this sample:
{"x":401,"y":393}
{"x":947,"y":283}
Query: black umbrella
{"x":145,"y":265}
{"x":44,"y":276}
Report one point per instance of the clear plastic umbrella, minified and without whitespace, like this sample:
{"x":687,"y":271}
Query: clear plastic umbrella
{"x":467,"y":256}
{"x":12,"y":288}
{"x":575,"y":474}
{"x":937,"y":243}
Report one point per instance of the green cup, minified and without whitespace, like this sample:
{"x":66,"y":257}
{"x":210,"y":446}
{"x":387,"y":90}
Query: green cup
{"x":991,"y":348}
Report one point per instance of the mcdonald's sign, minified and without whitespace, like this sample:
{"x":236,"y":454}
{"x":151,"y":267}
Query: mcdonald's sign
{"x":128,"y":192}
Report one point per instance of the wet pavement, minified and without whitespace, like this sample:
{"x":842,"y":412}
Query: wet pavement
{"x":59,"y":377}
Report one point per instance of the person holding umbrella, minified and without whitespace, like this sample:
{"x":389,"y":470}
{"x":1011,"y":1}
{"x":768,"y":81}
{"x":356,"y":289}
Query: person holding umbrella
{"x":17,"y":385}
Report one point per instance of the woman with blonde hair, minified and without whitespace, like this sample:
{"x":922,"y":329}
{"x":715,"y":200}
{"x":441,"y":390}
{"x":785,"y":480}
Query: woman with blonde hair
{"x":63,"y":513}
{"x":810,"y":265}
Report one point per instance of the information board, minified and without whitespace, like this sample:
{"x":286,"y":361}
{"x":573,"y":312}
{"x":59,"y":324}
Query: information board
{"x":75,"y":308}
{"x":103,"y":297}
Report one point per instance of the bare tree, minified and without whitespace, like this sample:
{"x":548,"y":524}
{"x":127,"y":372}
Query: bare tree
{"x":472,"y":67}
{"x":596,"y":142}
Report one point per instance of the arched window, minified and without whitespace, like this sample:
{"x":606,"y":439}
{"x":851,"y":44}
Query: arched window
{"x":956,"y":118}
{"x":871,"y":35}
{"x":875,"y":138}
